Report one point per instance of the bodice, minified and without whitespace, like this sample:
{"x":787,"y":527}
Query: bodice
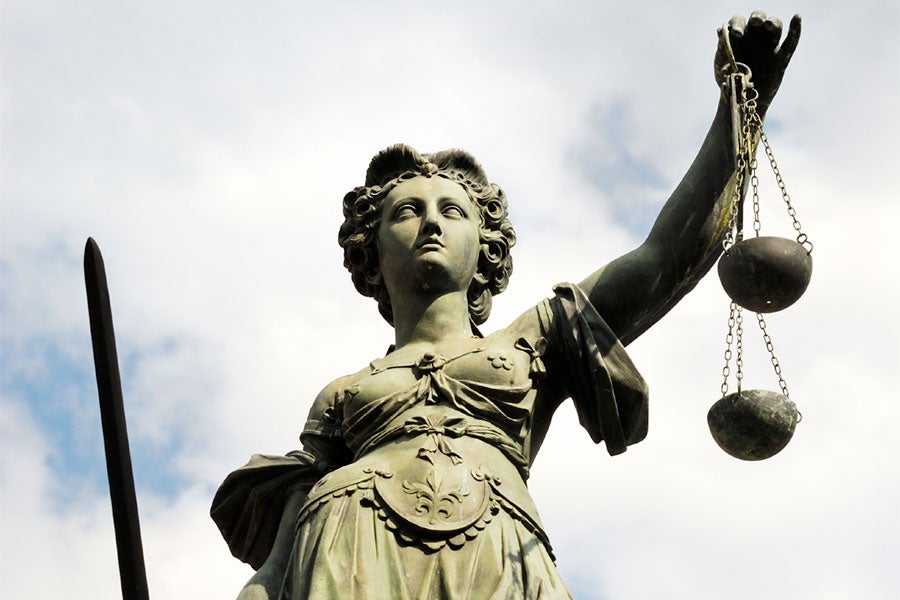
{"x":486,"y":391}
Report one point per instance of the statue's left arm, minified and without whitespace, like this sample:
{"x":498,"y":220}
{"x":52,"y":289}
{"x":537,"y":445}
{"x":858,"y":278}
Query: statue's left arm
{"x":635,"y":290}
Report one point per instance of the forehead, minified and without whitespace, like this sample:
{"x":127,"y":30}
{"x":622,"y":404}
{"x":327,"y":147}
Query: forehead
{"x":427,"y":187}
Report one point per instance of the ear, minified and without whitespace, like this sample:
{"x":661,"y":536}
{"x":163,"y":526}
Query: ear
{"x":373,"y":277}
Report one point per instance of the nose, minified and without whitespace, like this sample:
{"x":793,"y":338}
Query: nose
{"x":431,"y":221}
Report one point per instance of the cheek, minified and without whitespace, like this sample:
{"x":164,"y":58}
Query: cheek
{"x":473,"y":249}
{"x":387,"y":253}
{"x":392,"y":238}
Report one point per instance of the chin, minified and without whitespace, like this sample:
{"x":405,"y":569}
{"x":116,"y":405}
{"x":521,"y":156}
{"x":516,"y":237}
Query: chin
{"x":435,"y":277}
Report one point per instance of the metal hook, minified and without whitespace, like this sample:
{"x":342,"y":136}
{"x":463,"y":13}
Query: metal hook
{"x":728,"y":50}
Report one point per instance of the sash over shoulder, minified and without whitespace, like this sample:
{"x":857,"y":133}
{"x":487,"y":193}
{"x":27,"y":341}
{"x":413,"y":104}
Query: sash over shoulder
{"x":610,"y":396}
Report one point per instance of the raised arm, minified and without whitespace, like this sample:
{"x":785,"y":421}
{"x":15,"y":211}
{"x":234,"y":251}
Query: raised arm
{"x":635,"y":290}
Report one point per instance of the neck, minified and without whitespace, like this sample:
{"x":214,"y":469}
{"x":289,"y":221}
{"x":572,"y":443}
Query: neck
{"x":423,"y":319}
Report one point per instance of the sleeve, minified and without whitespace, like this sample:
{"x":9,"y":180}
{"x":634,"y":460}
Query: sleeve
{"x":248,"y":506}
{"x":610,"y":396}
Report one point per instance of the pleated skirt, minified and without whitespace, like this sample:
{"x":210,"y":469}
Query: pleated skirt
{"x":344,"y":549}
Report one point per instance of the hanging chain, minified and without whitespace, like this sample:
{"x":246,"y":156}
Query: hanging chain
{"x":775,"y":364}
{"x":730,"y":240}
{"x":802,"y":238}
{"x":744,"y":113}
{"x":735,"y":336}
{"x":739,"y":347}
{"x":744,"y":117}
{"x":754,"y":183}
{"x":729,"y":339}
{"x":771,"y":349}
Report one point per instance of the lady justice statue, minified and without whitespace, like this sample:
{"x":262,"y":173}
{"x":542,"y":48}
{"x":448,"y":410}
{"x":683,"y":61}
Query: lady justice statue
{"x":411,"y":483}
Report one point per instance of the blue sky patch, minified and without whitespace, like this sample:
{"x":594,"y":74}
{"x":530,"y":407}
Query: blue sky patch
{"x":62,"y":397}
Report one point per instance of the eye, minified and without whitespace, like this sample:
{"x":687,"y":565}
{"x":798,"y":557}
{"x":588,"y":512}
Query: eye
{"x":404,"y":211}
{"x":454,"y":210}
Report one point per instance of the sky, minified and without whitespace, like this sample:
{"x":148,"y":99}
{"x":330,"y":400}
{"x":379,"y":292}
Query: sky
{"x":206,"y":146}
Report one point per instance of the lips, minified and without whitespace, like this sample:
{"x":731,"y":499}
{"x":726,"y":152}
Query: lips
{"x":430,"y":243}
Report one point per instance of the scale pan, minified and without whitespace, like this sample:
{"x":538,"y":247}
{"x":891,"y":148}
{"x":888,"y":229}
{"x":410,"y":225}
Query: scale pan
{"x":753,"y":424}
{"x":765,"y":274}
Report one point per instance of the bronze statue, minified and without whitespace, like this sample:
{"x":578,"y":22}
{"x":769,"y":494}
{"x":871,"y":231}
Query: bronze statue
{"x":411,"y":481}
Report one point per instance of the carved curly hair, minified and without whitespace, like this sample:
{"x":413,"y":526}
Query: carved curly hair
{"x":362,"y":216}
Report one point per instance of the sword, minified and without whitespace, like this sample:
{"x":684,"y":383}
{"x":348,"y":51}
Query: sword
{"x":115,"y":435}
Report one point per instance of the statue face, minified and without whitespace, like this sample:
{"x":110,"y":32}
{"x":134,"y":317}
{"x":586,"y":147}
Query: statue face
{"x":428,"y":240}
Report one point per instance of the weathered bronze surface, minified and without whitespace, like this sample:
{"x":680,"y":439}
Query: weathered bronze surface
{"x":753,"y":424}
{"x":412,"y":478}
{"x":765,"y":274}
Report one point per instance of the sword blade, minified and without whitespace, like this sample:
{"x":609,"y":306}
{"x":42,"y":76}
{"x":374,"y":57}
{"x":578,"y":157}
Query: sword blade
{"x":115,"y":434}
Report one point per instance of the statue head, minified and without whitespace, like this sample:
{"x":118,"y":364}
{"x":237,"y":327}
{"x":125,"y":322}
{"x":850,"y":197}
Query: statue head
{"x":362,"y":217}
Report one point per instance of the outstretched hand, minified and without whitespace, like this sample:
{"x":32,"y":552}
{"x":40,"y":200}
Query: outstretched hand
{"x":755,"y":43}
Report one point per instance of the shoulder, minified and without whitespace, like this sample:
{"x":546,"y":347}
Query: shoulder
{"x":334,"y":391}
{"x":534,"y":333}
{"x":326,"y":413}
{"x":533,"y":324}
